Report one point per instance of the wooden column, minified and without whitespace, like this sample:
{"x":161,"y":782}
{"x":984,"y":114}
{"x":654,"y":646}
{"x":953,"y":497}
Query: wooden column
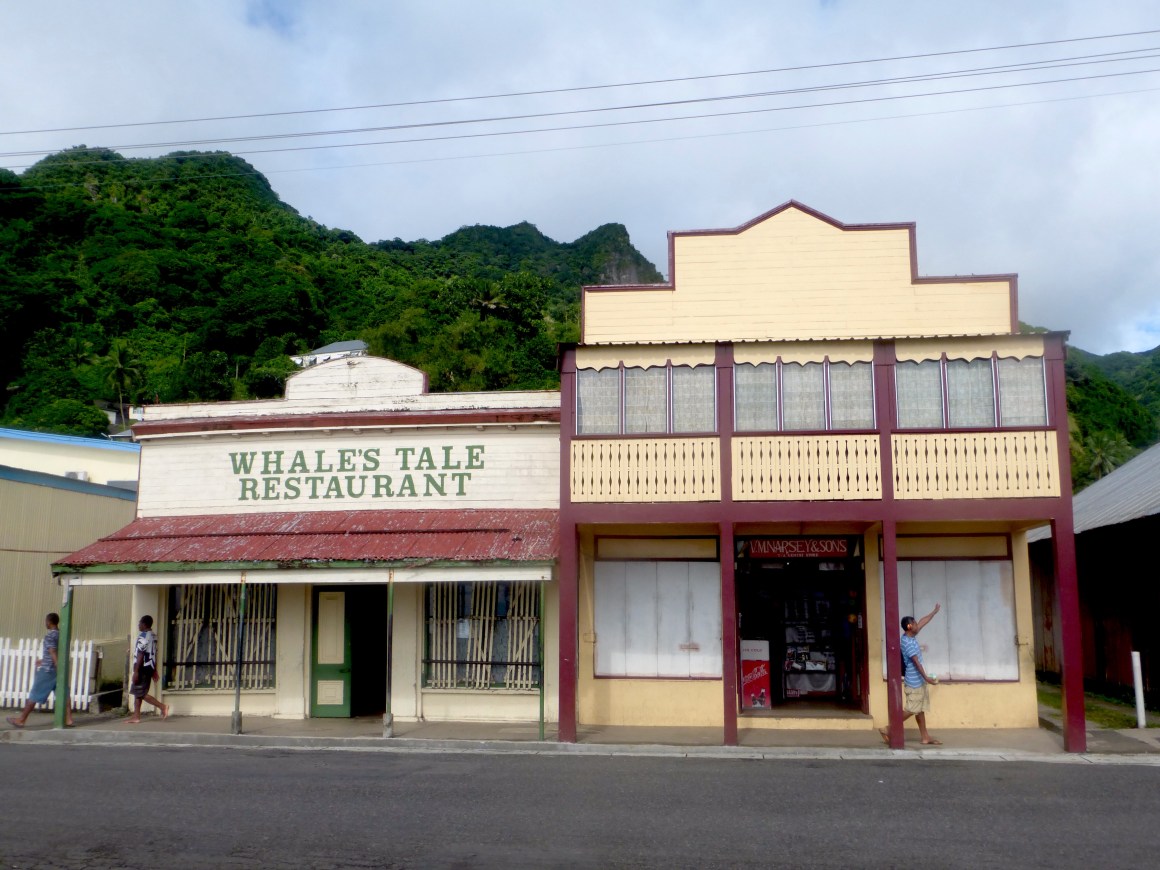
{"x":731,"y":692}
{"x":1063,"y":547}
{"x":893,"y":633}
{"x":569,"y":563}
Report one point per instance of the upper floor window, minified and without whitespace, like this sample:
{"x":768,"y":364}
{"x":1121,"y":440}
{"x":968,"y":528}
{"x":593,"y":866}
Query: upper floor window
{"x":639,"y":401}
{"x":965,"y":394}
{"x":770,"y":397}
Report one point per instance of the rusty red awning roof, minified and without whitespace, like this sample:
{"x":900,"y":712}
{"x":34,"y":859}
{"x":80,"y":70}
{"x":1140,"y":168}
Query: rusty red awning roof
{"x":364,"y":537}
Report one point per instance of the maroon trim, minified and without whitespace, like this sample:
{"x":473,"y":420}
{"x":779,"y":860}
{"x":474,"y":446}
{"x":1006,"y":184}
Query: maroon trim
{"x":569,"y":563}
{"x":886,"y":413}
{"x":347,"y":420}
{"x":897,"y":737}
{"x":869,"y":511}
{"x":639,"y":435}
{"x":1063,"y":546}
{"x":730,"y":644}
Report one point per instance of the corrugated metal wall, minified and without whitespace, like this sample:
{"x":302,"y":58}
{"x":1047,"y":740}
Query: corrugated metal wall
{"x":39,"y":524}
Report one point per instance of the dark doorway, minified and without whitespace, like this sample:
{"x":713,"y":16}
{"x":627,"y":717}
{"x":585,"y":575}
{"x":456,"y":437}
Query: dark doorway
{"x":367,"y":616}
{"x":811,"y":612}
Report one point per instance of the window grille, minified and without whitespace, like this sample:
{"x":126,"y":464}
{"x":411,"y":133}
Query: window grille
{"x":483,"y":636}
{"x":202,"y":653}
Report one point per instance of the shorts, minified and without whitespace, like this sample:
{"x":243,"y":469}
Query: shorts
{"x":43,"y":685}
{"x":140,"y":686}
{"x":916,"y":699}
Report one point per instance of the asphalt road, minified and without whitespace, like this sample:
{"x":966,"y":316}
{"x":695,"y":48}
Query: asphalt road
{"x":88,"y":806}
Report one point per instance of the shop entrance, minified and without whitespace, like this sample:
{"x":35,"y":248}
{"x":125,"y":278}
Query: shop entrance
{"x":349,"y":652}
{"x":801,"y":620}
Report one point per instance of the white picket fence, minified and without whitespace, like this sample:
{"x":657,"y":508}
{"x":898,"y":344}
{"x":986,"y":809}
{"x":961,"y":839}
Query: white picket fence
{"x":18,"y":667}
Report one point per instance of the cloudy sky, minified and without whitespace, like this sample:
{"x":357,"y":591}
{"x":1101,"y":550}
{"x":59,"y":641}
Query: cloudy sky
{"x":1015,"y":140}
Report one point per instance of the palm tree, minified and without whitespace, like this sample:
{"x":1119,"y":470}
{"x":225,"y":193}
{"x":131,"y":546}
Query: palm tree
{"x":123,"y":371}
{"x":1105,"y":451}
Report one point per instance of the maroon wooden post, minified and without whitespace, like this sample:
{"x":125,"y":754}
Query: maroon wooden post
{"x":728,"y":634}
{"x":1063,"y":548}
{"x":729,"y":648}
{"x":568,"y":565}
{"x":893,"y":633}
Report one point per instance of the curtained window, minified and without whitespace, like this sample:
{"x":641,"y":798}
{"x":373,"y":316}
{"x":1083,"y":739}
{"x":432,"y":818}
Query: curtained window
{"x":597,"y":401}
{"x":803,"y":396}
{"x":920,"y":397}
{"x":851,"y":396}
{"x":755,"y":397}
{"x":694,"y":405}
{"x":646,"y":400}
{"x":1022,"y":392}
{"x":971,"y":393}
{"x":646,"y":392}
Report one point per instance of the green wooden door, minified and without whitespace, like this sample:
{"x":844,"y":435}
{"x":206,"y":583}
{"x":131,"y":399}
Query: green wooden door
{"x":330,"y":671}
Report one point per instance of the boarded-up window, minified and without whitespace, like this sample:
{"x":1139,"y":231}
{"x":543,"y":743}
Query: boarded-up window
{"x":658,"y":619}
{"x":972,"y":637}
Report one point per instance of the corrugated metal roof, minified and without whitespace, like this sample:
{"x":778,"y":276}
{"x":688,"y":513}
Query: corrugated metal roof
{"x":330,"y":536}
{"x":1130,"y":492}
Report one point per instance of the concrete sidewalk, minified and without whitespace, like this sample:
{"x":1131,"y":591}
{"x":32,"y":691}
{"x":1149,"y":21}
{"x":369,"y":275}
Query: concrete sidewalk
{"x":1042,"y":744}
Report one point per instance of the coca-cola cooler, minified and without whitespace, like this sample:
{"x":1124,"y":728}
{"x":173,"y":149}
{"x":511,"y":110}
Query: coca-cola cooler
{"x":755,"y":685}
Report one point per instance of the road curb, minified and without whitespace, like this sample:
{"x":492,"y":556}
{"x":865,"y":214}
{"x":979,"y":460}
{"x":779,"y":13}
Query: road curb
{"x":406,"y":745}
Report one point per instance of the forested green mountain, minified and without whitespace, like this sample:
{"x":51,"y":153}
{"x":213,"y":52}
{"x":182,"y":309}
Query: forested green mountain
{"x":186,"y":278}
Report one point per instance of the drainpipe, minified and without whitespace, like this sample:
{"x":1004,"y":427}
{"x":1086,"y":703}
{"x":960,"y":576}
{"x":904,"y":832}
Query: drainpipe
{"x":236,"y":722}
{"x":63,"y":697}
{"x":388,"y":716}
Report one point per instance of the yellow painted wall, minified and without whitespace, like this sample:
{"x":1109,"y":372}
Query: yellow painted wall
{"x":794,"y":276}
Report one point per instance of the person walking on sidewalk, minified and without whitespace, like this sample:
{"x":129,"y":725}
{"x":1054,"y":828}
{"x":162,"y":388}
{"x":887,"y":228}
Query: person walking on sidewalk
{"x":44,"y":681}
{"x":916,"y":695}
{"x":145,"y":671}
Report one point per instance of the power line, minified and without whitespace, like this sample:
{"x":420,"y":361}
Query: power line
{"x":1028,"y":66}
{"x":592,"y":146}
{"x":582,"y":88}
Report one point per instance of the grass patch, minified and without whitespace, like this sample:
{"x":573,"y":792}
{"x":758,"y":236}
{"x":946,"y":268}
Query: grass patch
{"x":1105,"y":712}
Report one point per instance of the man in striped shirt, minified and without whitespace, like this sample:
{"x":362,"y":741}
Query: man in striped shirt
{"x":916,"y":696}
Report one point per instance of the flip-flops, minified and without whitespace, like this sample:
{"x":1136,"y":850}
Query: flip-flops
{"x":885,"y":735}
{"x":14,"y":722}
{"x":932,"y":742}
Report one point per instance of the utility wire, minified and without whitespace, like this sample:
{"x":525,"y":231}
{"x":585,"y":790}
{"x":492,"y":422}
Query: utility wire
{"x":675,"y":118}
{"x":1032,"y":66}
{"x":592,"y":146}
{"x":582,"y":88}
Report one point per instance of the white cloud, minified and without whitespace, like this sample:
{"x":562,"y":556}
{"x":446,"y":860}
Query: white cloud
{"x":1064,"y":193}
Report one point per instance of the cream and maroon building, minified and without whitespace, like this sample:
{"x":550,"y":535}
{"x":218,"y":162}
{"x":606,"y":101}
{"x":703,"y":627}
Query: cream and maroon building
{"x":748,"y":476}
{"x":391,"y":549}
{"x":769,"y":460}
